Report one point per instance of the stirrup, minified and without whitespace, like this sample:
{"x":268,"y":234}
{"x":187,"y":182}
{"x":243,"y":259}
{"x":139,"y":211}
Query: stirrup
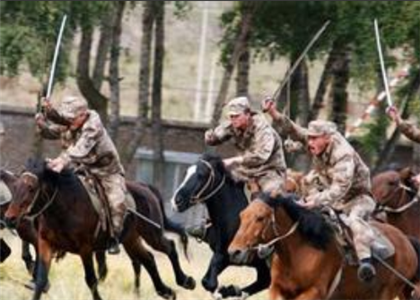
{"x":366,"y":271}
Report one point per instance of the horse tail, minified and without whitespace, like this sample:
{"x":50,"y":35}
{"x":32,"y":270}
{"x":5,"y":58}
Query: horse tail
{"x":171,"y":225}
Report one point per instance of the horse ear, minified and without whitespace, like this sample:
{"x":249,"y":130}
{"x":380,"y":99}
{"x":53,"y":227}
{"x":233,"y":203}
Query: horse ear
{"x":406,"y":174}
{"x":7,"y":177}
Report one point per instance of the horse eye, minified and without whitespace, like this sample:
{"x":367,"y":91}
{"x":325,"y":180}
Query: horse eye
{"x":393,"y":183}
{"x":260,"y":219}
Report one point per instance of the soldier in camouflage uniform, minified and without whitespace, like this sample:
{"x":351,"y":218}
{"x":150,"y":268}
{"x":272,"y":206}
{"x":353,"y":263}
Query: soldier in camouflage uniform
{"x":261,"y":157}
{"x":409,"y":130}
{"x":339,"y":179}
{"x":86,"y":142}
{"x":260,"y":162}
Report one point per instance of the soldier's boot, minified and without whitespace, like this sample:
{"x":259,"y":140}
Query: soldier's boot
{"x":114,"y":241}
{"x":113,"y":245}
{"x":366,"y":271}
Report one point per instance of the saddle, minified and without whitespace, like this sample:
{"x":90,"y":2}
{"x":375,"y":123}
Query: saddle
{"x":381,"y":246}
{"x":99,"y":200}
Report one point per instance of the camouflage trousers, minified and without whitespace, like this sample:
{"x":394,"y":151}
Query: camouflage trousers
{"x":115,"y":190}
{"x":355,"y":215}
{"x":272,"y":182}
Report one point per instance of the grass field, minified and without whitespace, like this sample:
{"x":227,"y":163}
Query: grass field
{"x":67,"y":277}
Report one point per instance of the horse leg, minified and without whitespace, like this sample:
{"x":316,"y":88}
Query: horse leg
{"x":90,"y":277}
{"x":262,"y":282}
{"x":218,"y":263}
{"x":137,"y":271}
{"x":27,"y":257}
{"x":102,"y":267}
{"x":138,"y":252}
{"x":43,"y":266}
{"x":167,"y":246}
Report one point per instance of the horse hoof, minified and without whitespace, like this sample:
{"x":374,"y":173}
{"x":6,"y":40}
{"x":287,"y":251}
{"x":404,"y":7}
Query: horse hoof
{"x":188,"y":283}
{"x":167,"y":294}
{"x":230,"y":291}
{"x":31,"y":286}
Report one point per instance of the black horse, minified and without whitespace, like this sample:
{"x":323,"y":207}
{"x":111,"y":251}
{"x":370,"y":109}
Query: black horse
{"x":67,"y":221}
{"x":207,"y":181}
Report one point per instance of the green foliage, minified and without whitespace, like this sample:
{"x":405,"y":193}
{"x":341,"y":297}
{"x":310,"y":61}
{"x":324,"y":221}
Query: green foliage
{"x":30,"y":29}
{"x":372,"y":142}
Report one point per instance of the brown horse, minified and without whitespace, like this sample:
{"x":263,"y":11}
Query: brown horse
{"x":67,"y":221}
{"x":396,"y":196}
{"x":307,"y":262}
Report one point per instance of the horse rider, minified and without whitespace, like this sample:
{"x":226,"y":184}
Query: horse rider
{"x":260,"y":161}
{"x":86,"y":143}
{"x":408,"y":129}
{"x":339,"y":179}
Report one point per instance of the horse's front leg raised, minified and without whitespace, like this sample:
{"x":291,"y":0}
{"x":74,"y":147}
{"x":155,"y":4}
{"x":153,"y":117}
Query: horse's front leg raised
{"x":218,"y":263}
{"x":43,"y":267}
{"x":90,"y":277}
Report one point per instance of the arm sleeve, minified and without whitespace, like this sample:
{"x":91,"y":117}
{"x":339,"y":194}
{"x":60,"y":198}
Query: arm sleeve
{"x":81,"y":150}
{"x":50,"y":131}
{"x":288,"y":127}
{"x":264,"y":145}
{"x":218,"y":135}
{"x":410,"y":131}
{"x":343,"y":175}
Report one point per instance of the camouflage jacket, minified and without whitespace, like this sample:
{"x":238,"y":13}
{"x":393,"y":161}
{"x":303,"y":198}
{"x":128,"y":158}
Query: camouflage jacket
{"x":260,"y":146}
{"x":410,"y":131}
{"x":89,"y":145}
{"x":342,"y":174}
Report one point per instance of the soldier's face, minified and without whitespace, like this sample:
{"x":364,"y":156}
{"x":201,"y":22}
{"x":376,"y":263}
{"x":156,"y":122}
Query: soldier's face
{"x":318,"y":144}
{"x":78,"y":121}
{"x":240,"y":121}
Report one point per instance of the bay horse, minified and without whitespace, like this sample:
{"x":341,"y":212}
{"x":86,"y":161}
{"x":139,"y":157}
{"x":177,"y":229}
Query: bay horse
{"x":208,"y":182}
{"x":67,"y":221}
{"x":396,"y":196}
{"x":307,"y":262}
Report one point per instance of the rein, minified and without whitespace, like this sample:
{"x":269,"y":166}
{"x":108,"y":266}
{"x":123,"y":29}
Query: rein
{"x":199,"y":197}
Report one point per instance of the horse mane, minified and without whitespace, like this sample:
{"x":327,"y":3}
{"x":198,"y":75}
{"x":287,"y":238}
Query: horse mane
{"x":216,"y":161}
{"x":312,"y":225}
{"x":38,"y":166}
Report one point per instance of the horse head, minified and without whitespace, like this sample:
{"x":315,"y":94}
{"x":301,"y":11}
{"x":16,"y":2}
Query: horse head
{"x":202,"y":181}
{"x":268,"y":220}
{"x":26,"y":190}
{"x":390,"y":186}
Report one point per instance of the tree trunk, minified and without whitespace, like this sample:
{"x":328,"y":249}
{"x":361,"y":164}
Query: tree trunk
{"x":103,"y":48}
{"x":114,"y":80}
{"x":341,"y":77}
{"x":245,"y":26}
{"x":144,"y":79}
{"x":300,"y":97}
{"x":157,"y":132}
{"x":326,"y":77}
{"x":387,"y":152}
{"x":95,"y":99}
{"x":244,"y":62}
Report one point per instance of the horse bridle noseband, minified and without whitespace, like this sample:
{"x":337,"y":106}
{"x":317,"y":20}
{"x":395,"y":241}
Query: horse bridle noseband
{"x":199,"y":198}
{"x":383,"y":206}
{"x":27,"y":213}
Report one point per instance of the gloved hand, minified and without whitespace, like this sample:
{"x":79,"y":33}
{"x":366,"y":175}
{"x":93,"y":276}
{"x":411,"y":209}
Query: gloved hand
{"x":236,"y":160}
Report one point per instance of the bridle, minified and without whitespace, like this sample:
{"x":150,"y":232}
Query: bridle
{"x":386,"y":208}
{"x":277,"y":236}
{"x":200,"y":197}
{"x":28,"y":213}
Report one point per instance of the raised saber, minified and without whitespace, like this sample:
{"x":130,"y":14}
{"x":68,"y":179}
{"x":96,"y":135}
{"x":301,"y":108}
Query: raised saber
{"x":57,"y":49}
{"x":297,"y":62}
{"x":381,"y":59}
